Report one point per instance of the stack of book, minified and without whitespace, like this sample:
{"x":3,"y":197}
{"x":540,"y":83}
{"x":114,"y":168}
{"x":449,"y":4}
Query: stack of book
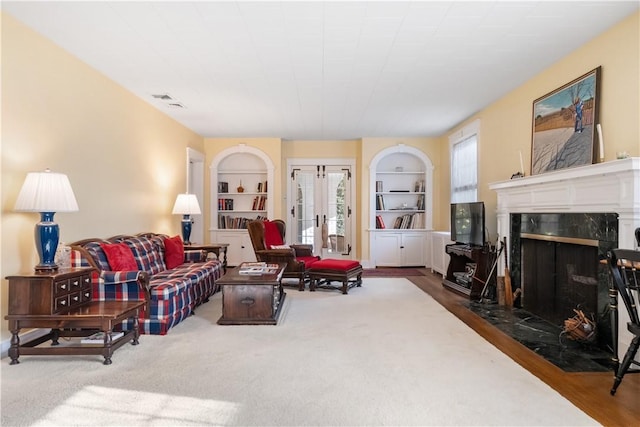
{"x":257,"y":268}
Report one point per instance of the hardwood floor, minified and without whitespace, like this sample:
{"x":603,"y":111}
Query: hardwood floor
{"x":588,"y":391}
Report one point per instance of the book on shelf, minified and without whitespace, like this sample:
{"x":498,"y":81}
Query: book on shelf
{"x":258,"y":203}
{"x":409,"y":221}
{"x":98,"y":337}
{"x":225,"y":204}
{"x":380,"y":222}
{"x":379,"y":202}
{"x":228,"y":222}
{"x":257,"y":268}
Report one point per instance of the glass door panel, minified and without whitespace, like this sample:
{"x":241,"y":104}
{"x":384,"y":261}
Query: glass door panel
{"x":335,"y":190}
{"x":304,"y":210}
{"x":321,"y":213}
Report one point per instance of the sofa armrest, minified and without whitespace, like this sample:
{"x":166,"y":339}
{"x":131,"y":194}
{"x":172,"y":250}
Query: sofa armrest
{"x":195,"y":255}
{"x":119,"y":277}
{"x":123,"y":285}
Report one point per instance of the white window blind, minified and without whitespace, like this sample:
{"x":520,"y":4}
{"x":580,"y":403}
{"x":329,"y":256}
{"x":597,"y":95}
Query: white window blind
{"x":464,"y":166}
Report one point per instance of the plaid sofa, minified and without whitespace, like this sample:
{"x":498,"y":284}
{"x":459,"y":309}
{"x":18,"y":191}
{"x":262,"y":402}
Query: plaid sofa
{"x":171,"y":294}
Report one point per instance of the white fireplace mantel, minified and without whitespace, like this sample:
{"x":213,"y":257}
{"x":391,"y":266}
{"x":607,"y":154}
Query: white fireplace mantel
{"x":609,"y":187}
{"x":612,"y":187}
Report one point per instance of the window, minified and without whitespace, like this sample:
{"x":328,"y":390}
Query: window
{"x":464,"y":164}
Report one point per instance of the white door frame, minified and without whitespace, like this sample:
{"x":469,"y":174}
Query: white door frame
{"x":351,"y":163}
{"x":195,"y":185}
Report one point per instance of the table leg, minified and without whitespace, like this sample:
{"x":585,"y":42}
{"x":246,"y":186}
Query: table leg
{"x":55,"y":336}
{"x":14,"y":350}
{"x":224,"y":259}
{"x":136,"y":329}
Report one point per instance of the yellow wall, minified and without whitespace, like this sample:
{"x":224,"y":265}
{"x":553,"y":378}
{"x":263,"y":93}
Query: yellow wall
{"x":125,"y":159}
{"x":506,"y":124}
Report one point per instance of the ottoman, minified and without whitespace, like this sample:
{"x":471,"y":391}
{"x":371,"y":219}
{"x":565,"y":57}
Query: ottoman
{"x":321,"y":273}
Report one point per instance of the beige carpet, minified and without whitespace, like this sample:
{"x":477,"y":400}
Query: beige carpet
{"x":386,"y":354}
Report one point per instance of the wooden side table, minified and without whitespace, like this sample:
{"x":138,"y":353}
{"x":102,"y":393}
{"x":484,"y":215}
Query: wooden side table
{"x":216,"y":248}
{"x":62,"y":301}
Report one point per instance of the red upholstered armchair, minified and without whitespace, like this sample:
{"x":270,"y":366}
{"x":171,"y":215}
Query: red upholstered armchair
{"x":267,"y":238}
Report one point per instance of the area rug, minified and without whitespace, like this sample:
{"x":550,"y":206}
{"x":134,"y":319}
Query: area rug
{"x":385,"y":354}
{"x":391,"y":272}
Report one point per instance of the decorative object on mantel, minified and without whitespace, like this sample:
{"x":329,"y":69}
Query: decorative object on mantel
{"x":186,"y":205}
{"x":563,"y":125}
{"x":47,"y":193}
{"x":600,"y":142}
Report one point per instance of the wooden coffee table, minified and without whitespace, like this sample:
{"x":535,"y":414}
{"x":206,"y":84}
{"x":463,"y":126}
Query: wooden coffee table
{"x":251,"y":299}
{"x":77,"y":322}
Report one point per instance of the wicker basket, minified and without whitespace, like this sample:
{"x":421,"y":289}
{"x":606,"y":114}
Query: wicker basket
{"x":580,"y":327}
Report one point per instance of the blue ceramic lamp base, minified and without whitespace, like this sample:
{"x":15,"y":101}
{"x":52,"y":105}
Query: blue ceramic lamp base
{"x":186,"y":229}
{"x":47,"y":234}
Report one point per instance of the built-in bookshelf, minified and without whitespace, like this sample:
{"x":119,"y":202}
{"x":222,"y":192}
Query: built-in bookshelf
{"x":242,"y":195}
{"x":401,"y":209}
{"x":400,"y":193}
{"x":241,"y":180}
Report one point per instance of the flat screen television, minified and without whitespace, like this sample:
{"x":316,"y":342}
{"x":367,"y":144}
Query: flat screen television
{"x":467,"y":223}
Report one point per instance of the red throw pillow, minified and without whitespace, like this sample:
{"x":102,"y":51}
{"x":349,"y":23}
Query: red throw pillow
{"x":271,"y":234}
{"x":120,"y":257}
{"x":173,"y":252}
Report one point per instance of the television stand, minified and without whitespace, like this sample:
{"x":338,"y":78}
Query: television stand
{"x":468,"y":269}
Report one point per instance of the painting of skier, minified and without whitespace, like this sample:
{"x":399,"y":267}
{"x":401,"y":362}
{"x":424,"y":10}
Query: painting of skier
{"x":564,"y":124}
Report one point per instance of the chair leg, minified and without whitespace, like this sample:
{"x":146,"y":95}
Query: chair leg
{"x":626,"y":362}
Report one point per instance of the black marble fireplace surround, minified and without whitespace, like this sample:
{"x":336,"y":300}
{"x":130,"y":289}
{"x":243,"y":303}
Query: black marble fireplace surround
{"x":559,"y":255}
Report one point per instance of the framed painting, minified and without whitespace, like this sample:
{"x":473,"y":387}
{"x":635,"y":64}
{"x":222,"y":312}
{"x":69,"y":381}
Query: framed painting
{"x":564,"y":123}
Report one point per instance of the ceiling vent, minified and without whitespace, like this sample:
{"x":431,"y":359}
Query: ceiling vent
{"x":163,"y":96}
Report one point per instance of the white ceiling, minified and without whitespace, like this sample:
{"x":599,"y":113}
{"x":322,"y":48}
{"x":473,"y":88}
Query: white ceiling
{"x":320,"y":70}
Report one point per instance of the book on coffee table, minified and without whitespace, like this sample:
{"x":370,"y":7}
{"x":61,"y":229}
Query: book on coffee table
{"x":257,"y":268}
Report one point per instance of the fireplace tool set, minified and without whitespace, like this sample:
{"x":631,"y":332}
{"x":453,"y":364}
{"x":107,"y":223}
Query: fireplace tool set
{"x":485,"y":296}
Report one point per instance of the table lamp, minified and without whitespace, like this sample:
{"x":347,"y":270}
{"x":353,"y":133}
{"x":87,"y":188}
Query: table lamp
{"x":46,"y":192}
{"x":186,"y":205}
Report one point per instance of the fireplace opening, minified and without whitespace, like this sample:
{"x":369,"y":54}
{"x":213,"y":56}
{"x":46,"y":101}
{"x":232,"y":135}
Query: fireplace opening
{"x":558,"y":265}
{"x":559,"y":275}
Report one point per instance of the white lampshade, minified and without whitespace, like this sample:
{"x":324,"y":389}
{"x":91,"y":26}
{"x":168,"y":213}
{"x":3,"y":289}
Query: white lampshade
{"x":46,"y":192}
{"x":186,"y":204}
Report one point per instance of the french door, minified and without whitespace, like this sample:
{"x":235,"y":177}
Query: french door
{"x":319,"y":206}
